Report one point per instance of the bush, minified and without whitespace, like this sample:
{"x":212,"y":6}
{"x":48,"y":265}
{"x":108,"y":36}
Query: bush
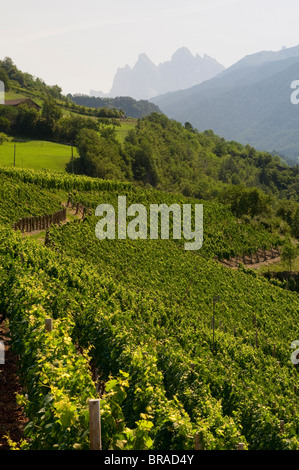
{"x":3,"y":138}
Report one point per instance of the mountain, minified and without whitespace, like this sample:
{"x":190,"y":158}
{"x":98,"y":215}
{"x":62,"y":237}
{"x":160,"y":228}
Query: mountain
{"x":146,"y":80}
{"x":249,"y":102}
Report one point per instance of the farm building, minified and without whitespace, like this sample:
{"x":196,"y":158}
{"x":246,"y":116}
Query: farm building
{"x":22,"y":101}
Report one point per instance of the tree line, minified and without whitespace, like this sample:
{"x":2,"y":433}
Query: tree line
{"x":124,"y":104}
{"x":49,"y":123}
{"x":167,"y":155}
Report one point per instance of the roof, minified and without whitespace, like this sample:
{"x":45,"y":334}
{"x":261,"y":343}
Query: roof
{"x":14,"y":102}
{"x":19,"y":101}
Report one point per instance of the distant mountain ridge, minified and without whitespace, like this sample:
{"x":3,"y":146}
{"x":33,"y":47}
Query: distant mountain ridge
{"x":146,"y":80}
{"x":248,"y":102}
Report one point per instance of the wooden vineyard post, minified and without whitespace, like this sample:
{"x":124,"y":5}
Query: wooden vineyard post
{"x":95,"y":425}
{"x":197,"y":442}
{"x":47,"y":237}
{"x":240,"y":446}
{"x":49,"y":324}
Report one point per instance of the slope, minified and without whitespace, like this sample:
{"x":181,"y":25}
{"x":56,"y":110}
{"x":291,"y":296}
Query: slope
{"x":249,"y":102}
{"x":221,"y":370}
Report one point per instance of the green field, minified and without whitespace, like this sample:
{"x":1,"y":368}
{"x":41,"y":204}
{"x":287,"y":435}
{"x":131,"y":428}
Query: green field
{"x":36,"y":154}
{"x":13,"y":95}
{"x":126,"y":126}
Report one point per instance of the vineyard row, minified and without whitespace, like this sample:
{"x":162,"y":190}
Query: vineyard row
{"x":30,"y":224}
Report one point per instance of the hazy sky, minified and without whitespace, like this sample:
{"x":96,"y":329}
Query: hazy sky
{"x":80,"y":44}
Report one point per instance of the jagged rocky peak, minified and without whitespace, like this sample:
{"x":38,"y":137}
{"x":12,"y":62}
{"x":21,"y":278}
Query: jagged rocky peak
{"x":146,"y":80}
{"x":144,"y":60}
{"x":182,"y":53}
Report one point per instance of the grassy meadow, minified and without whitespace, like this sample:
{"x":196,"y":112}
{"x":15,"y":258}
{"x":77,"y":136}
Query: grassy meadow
{"x":126,"y":126}
{"x":36,"y":154}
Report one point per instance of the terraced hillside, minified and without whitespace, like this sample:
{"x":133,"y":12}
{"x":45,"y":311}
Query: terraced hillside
{"x":176,"y":344}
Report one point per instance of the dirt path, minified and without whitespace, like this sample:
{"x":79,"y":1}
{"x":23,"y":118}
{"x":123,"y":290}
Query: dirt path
{"x":12,"y":419}
{"x":263,"y":263}
{"x":270,"y":259}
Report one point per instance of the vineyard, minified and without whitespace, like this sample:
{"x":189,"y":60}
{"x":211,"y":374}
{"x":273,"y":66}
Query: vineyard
{"x":178,"y":347}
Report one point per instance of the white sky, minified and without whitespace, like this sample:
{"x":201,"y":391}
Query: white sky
{"x":79,"y":45}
